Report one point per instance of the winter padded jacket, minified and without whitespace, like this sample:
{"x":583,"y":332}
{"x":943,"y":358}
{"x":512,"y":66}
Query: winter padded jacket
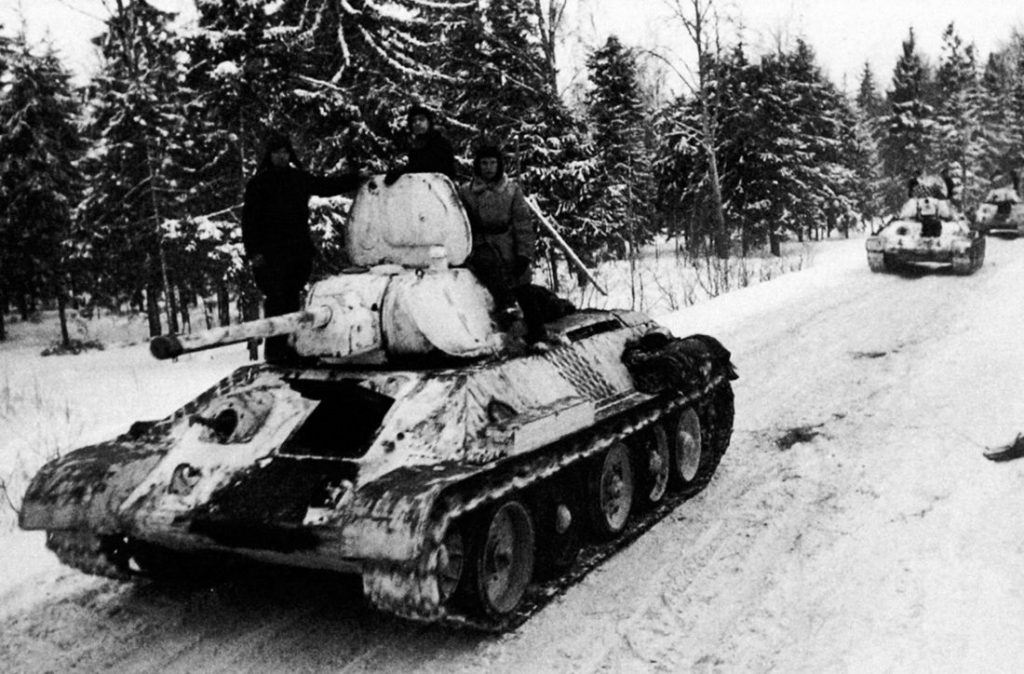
{"x":501,"y":219}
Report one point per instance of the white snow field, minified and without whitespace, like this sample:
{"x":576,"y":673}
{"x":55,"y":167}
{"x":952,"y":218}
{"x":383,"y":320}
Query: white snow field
{"x":853,"y":525}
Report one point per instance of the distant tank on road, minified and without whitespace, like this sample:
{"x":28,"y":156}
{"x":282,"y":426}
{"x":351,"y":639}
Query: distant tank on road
{"x":1001,"y":211}
{"x":927,"y":230}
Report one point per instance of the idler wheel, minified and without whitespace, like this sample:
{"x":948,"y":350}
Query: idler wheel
{"x":451,"y":560}
{"x":611,"y":491}
{"x":504,"y":558}
{"x":686,"y":445}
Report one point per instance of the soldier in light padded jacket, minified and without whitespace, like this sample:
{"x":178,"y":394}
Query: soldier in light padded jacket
{"x":504,"y":240}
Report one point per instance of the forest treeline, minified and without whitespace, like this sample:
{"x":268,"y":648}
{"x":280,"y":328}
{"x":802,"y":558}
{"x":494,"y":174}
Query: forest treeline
{"x":126,"y":192}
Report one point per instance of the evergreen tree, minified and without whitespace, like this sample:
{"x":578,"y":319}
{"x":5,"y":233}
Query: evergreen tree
{"x":869,"y":121}
{"x":39,"y":146}
{"x":135,"y":117}
{"x":622,"y":212}
{"x":905,"y":143}
{"x":869,"y":101}
{"x":957,"y":144}
{"x":787,"y":154}
{"x":996,"y":94}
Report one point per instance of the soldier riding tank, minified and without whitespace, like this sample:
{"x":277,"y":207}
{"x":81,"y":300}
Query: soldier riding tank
{"x":409,"y":445}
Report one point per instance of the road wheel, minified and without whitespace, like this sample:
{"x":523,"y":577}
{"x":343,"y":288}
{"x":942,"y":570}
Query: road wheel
{"x":686,"y":441}
{"x":451,"y":561}
{"x":611,"y":490}
{"x":657,"y":464}
{"x":504,"y":558}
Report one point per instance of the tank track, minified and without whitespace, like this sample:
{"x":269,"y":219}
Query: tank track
{"x":92,"y":553}
{"x":411,"y":591}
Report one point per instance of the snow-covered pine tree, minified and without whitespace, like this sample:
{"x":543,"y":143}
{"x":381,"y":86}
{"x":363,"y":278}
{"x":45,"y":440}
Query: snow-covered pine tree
{"x":826,"y":181}
{"x":869,"y":114}
{"x":622,"y":212}
{"x":134,"y":119}
{"x":39,"y":147}
{"x":957,"y":136}
{"x":905,"y":142}
{"x":1002,"y":114}
{"x":867,"y":187}
{"x":869,"y":100}
{"x":995,"y":91}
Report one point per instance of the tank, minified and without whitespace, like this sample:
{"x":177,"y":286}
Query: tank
{"x":1001,"y":211}
{"x":927,"y":230}
{"x":463,"y":480}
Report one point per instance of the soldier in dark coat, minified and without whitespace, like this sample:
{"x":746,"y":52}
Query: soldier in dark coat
{"x":275,"y":229}
{"x":429,"y":151}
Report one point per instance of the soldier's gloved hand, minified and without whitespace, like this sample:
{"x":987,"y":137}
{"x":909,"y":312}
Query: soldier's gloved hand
{"x":391,"y":176}
{"x":521,"y":265}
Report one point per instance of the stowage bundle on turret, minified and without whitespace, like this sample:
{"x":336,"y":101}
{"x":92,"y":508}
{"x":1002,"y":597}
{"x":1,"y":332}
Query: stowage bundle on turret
{"x":408,"y":445}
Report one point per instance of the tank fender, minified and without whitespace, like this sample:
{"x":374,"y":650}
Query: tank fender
{"x":86,"y":487}
{"x":519,"y":433}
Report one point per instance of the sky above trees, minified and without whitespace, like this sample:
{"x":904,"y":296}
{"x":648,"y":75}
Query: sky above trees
{"x":843,"y":33}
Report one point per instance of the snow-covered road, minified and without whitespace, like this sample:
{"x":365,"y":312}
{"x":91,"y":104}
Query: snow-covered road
{"x":853,"y":526}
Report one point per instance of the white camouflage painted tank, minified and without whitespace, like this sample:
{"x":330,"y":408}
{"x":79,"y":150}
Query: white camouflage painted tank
{"x":926,"y":230}
{"x":464,"y":483}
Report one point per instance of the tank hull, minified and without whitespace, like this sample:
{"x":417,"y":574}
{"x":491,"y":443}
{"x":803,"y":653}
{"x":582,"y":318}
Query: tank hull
{"x":366,"y":470}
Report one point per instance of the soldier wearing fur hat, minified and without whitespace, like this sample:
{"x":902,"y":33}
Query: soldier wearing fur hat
{"x":429,"y":151}
{"x":275,"y":229}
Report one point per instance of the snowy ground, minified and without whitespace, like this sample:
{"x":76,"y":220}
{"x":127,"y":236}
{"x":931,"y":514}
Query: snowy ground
{"x":882,"y":542}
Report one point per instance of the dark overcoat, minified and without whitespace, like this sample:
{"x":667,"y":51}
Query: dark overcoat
{"x":275,"y":224}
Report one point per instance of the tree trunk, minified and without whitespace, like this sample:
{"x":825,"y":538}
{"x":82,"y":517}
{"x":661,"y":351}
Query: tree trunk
{"x":65,"y":338}
{"x":223,"y":305}
{"x":153,"y":310}
{"x":774,"y":244}
{"x":186,"y":321}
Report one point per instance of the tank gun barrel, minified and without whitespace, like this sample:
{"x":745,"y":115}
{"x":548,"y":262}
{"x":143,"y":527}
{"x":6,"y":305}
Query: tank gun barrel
{"x":171,"y":346}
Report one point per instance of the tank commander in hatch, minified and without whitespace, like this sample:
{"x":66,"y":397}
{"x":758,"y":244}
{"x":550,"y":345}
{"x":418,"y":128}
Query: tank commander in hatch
{"x":429,"y":151}
{"x":275,"y":230}
{"x":504,"y":242}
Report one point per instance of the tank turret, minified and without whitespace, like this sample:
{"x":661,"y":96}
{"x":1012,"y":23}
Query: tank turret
{"x":404,"y":296}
